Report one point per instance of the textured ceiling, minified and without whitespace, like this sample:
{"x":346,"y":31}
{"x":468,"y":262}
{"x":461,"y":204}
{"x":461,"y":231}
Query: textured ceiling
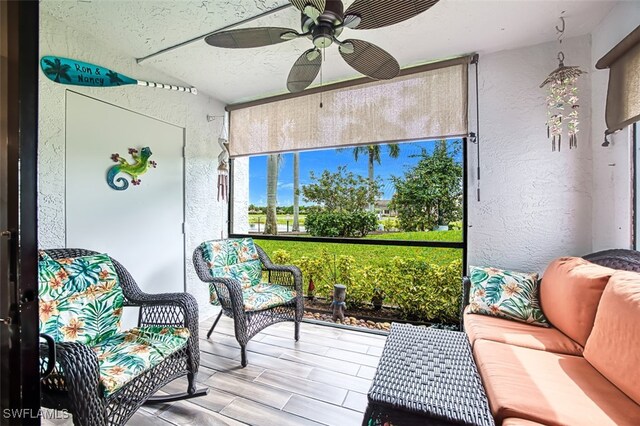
{"x":450,"y":28}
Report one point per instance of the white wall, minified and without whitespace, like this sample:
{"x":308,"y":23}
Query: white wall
{"x":205,"y":217}
{"x":241,"y":195}
{"x":535,"y":204}
{"x":612,"y":202}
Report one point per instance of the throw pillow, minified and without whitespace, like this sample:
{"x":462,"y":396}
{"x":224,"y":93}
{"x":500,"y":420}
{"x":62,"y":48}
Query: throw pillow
{"x":506,"y":294}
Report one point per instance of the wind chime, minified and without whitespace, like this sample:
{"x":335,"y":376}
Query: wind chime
{"x":562,"y":99}
{"x":223,"y":163}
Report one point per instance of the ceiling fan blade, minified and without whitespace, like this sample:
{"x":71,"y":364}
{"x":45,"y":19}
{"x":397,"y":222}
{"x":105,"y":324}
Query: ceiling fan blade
{"x":251,"y":37}
{"x":302,"y":4}
{"x":378,"y":14}
{"x":304,"y":70}
{"x":369,"y":59}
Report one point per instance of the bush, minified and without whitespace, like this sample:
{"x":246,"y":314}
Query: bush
{"x":425,"y":291}
{"x":455,"y":226}
{"x":281,"y":257}
{"x":391,"y":224}
{"x":422,"y":291}
{"x":340,"y":224}
{"x":321,"y":270}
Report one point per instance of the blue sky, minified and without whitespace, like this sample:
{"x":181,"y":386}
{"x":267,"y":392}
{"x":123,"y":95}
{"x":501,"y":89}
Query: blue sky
{"x":330,"y":159}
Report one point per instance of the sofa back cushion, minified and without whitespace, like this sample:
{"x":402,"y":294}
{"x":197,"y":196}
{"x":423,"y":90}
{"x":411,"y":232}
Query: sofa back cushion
{"x":612,"y":347}
{"x":570,"y":293}
{"x":80,"y":298}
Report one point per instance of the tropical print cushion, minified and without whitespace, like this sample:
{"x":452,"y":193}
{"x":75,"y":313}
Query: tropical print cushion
{"x":232,"y":258}
{"x":80,"y":298}
{"x":506,"y":294}
{"x":125,"y":355}
{"x":248,"y":273}
{"x":265,"y":296}
{"x":229,"y":252}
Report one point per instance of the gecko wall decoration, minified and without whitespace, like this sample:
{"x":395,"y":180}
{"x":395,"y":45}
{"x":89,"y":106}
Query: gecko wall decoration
{"x":139,"y":167}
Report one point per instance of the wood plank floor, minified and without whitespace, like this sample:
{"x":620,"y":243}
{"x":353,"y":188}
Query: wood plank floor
{"x":320,"y":380}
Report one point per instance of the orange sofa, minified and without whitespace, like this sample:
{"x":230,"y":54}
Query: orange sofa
{"x":585,"y":369}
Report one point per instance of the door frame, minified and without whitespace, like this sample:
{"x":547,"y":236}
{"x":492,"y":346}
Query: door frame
{"x":19,"y":347}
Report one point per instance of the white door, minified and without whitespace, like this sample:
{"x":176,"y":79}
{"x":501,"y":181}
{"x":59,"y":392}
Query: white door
{"x":142,"y":226}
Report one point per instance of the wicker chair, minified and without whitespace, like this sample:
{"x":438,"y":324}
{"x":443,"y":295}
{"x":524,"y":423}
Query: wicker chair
{"x":77,"y":382}
{"x":234,"y":270}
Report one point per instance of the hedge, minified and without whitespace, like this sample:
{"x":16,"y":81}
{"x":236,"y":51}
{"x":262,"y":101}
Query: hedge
{"x":421,"y":290}
{"x":340,"y":224}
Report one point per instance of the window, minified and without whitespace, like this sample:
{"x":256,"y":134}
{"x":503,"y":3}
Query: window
{"x":385,"y":220}
{"x":398,"y":191}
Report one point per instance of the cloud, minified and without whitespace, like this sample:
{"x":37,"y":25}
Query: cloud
{"x":282,"y":185}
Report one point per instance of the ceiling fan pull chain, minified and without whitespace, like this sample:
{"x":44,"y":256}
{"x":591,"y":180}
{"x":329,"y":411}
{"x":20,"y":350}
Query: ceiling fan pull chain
{"x":321,"y":67}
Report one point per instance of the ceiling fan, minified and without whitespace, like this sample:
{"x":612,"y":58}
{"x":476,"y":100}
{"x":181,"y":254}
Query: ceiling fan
{"x":322,"y":23}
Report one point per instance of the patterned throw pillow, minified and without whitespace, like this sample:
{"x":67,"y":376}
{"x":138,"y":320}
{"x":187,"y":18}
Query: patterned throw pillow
{"x":506,"y":294}
{"x":80,"y":298}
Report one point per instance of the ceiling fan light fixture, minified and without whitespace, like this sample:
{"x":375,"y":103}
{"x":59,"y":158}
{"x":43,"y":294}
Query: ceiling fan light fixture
{"x":289,"y":35}
{"x":351,"y":21}
{"x":346,"y":48}
{"x":312,"y":12}
{"x":312,"y":55}
{"x":322,"y":36}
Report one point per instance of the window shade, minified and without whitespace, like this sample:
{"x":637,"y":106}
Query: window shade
{"x":623,"y":94}
{"x":426,"y":104}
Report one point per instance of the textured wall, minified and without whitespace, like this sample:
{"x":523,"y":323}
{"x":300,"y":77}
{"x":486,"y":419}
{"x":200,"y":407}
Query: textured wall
{"x":612,"y":192}
{"x":535,"y":204}
{"x":205,"y":217}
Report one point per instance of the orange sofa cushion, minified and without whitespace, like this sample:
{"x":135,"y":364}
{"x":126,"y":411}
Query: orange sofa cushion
{"x":569,"y":295}
{"x":514,"y":421}
{"x":613,"y":347}
{"x":548,"y":388}
{"x":519,"y":334}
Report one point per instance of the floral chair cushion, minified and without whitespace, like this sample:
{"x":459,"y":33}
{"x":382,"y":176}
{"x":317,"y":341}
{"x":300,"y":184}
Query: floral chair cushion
{"x":126,"y":355}
{"x":232,"y":258}
{"x":265,"y":296}
{"x":506,"y":294}
{"x":80,"y":298}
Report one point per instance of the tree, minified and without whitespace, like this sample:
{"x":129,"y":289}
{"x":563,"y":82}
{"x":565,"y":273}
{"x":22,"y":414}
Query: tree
{"x":430,"y":193}
{"x":340,"y":191}
{"x":296,"y":192}
{"x":343,"y":199}
{"x":373,"y":154}
{"x":271,"y":222}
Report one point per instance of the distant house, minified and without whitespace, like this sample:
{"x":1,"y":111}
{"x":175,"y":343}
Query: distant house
{"x":382,"y":207}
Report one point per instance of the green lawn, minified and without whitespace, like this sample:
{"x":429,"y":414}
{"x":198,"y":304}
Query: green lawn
{"x":282,"y":219}
{"x":374,"y":255}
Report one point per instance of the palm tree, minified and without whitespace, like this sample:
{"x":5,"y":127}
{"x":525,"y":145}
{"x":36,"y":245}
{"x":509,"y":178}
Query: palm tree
{"x":114,"y":78}
{"x":373,"y":153}
{"x":296,"y":192}
{"x":57,"y":69}
{"x":271,"y":222}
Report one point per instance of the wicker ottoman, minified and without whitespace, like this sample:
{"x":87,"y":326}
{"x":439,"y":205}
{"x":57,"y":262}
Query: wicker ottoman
{"x":427,"y":377}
